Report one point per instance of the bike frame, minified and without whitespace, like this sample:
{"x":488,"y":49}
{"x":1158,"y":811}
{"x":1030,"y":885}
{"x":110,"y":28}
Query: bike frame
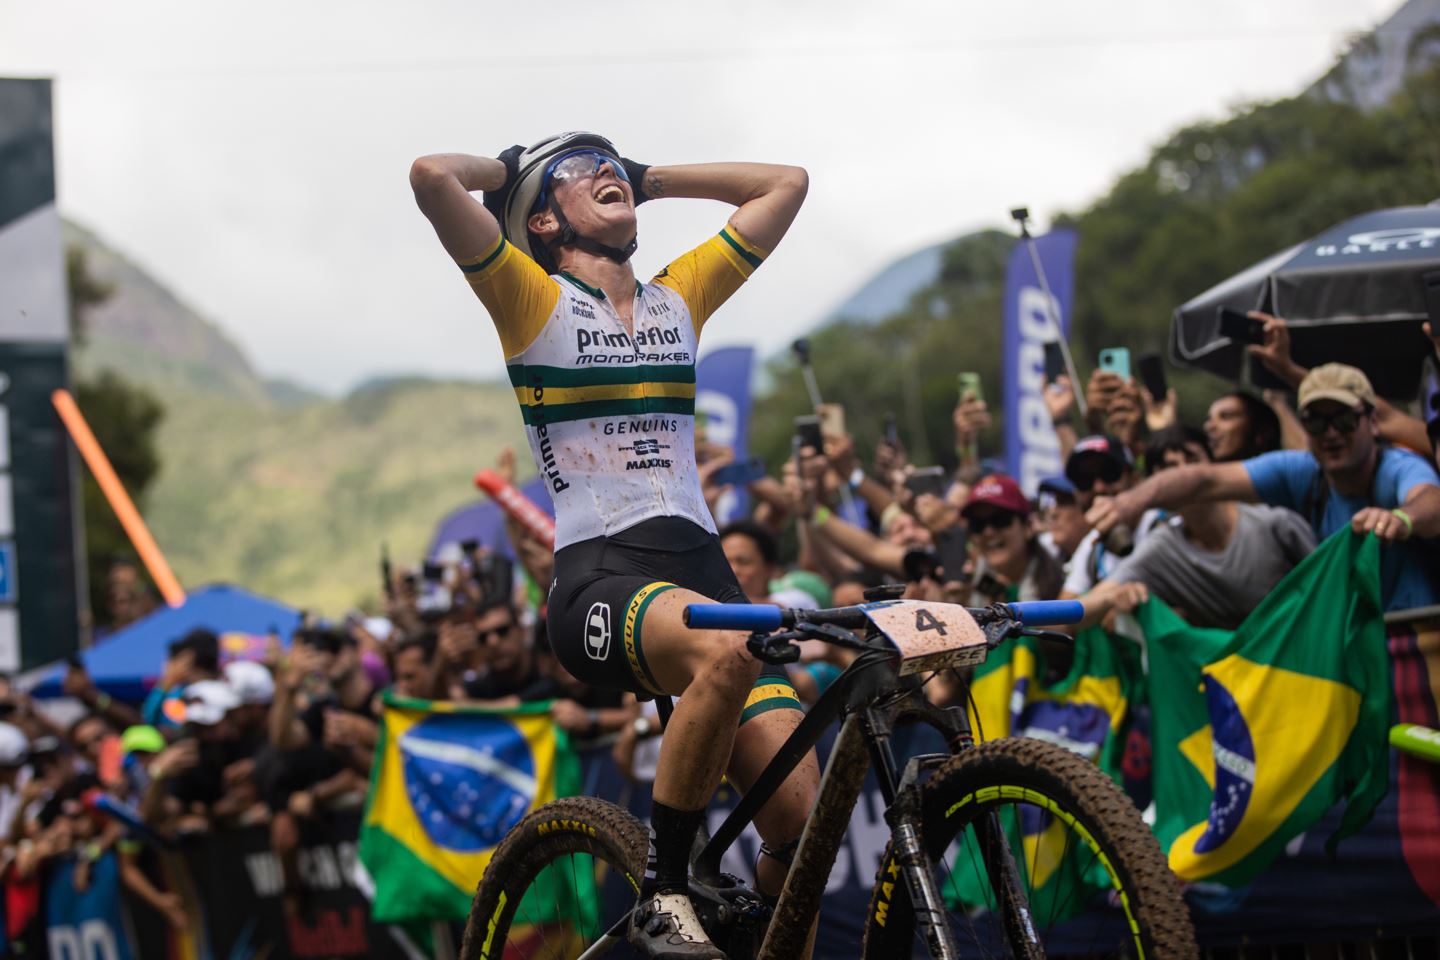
{"x":872,"y":699}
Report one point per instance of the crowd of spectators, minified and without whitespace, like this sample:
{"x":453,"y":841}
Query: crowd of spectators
{"x":1208,"y":518}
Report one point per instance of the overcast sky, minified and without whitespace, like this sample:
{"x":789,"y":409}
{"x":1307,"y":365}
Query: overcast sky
{"x":253,"y":156}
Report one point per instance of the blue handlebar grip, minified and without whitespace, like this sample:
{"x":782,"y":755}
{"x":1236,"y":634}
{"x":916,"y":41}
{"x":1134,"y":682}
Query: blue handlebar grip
{"x":1047,"y":613}
{"x":732,"y":616}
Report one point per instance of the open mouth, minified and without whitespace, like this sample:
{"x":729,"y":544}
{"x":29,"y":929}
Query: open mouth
{"x":610,"y":193}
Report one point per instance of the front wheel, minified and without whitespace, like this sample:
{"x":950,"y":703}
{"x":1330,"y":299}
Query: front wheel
{"x":558,"y":882}
{"x":1091,"y":872}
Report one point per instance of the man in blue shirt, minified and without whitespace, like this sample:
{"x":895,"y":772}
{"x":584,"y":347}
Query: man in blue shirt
{"x":1346,"y":477}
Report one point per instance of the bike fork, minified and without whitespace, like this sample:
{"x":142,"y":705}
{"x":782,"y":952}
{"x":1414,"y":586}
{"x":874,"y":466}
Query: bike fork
{"x":925,"y":898}
{"x":1005,"y":882}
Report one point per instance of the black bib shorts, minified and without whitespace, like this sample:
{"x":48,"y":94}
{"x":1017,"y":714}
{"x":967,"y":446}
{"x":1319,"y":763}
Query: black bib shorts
{"x":603,"y":587}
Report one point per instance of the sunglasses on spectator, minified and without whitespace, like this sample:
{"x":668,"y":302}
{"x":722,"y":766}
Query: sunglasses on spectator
{"x":1109,"y":471}
{"x":498,"y":633}
{"x":1316,"y":424}
{"x":994,"y":521}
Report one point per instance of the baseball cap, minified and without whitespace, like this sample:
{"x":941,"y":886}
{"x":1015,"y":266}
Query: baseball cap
{"x":1107,"y":448}
{"x":207,"y":702}
{"x":1339,"y":382}
{"x":1059,"y":486}
{"x":14,"y":745}
{"x":250,"y":681}
{"x":999,"y":491}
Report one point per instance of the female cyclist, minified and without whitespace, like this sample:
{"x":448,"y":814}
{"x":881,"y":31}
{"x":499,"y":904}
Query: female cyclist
{"x":604,"y":371}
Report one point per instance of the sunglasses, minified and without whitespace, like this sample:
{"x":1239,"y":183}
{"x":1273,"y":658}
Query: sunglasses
{"x":577,"y":166}
{"x":497,"y":633}
{"x":995,"y":521}
{"x":1108,"y":471}
{"x":1316,"y":424}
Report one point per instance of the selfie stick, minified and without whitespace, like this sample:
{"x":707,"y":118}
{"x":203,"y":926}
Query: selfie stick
{"x":801,"y":349}
{"x":1021,"y":215}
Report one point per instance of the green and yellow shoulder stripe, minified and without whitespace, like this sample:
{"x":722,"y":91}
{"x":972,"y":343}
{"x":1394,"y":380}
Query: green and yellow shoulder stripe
{"x":708,"y":275}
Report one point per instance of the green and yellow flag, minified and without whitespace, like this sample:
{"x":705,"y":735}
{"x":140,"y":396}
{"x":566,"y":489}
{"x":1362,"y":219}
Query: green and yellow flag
{"x":1087,"y":711}
{"x":447,"y":785}
{"x":1257,"y":733}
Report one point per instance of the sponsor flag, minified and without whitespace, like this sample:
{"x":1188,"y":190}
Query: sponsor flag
{"x":1257,"y":733}
{"x":722,"y":401}
{"x":1032,"y":450}
{"x":1087,"y":711}
{"x":83,"y":920}
{"x":448,"y":783}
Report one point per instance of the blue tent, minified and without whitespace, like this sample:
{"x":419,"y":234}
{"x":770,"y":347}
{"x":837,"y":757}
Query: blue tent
{"x":126,"y":663}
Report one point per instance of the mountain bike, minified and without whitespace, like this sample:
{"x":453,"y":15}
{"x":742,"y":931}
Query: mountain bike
{"x":977,"y":834}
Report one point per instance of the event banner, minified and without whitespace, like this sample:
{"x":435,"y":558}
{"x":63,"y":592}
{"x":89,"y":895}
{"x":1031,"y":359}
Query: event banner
{"x":722,"y":403}
{"x":39,"y":586}
{"x":1032,"y":450}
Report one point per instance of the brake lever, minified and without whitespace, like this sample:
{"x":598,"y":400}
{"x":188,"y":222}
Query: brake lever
{"x":774,"y":648}
{"x":1051,"y":635}
{"x":838,"y":635}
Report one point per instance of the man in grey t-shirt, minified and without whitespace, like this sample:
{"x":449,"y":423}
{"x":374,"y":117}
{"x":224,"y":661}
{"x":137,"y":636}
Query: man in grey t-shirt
{"x":1211,"y":562}
{"x":1219,"y":589}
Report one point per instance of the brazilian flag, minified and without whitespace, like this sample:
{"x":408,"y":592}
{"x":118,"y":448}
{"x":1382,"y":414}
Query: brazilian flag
{"x":448,"y":783}
{"x":1085,"y":709}
{"x":1257,"y":733}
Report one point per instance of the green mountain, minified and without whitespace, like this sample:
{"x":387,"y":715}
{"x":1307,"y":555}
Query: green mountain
{"x":269,"y":485}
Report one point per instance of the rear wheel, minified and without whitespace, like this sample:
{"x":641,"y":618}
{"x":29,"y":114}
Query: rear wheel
{"x":1092,"y":873}
{"x":563,"y":877}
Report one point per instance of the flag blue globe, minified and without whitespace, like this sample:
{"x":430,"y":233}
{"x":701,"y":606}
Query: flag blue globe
{"x":469,"y":778}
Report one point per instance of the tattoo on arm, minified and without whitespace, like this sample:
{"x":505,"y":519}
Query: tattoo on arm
{"x":654,"y":185}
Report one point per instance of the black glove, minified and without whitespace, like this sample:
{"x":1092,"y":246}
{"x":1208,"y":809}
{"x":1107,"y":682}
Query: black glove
{"x":494,"y":200}
{"x":636,"y":174}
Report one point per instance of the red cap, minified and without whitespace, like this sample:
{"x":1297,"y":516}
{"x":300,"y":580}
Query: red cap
{"x":1000,"y":491}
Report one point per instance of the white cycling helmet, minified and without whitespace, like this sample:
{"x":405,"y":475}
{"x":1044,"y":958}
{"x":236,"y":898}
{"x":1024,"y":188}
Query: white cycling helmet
{"x":525,"y":193}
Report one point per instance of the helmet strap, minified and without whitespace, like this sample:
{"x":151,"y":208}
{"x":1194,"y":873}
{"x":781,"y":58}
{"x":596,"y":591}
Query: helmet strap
{"x":569,"y":238}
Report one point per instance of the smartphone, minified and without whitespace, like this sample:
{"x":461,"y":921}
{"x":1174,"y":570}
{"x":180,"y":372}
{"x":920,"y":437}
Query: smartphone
{"x":1240,"y":326}
{"x":1152,"y":374}
{"x":740,"y":473}
{"x":808,"y":433}
{"x":1116,"y":360}
{"x":969,"y":383}
{"x":1432,"y":297}
{"x":1054,"y":361}
{"x":832,"y":419}
{"x":919,"y":563}
{"x":468,"y":547}
{"x":928,"y":480}
{"x":989,"y":585}
{"x":952,"y":550}
{"x":892,"y":430}
{"x":433,"y":572}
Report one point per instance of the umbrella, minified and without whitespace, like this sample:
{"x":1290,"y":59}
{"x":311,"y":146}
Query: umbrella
{"x":1355,"y":294}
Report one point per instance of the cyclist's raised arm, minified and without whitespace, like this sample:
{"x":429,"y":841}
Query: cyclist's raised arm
{"x":768,"y":195}
{"x":443,"y":183}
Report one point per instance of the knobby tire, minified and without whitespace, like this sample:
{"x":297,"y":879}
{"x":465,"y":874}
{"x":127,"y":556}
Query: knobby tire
{"x":563,"y":828}
{"x":1161,"y":920}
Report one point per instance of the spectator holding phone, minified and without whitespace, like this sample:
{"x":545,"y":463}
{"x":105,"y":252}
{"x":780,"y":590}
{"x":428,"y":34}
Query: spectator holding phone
{"x":1010,"y":563}
{"x":1100,"y":466}
{"x":1058,"y":518}
{"x":1347,"y":478}
{"x":1393,"y":425}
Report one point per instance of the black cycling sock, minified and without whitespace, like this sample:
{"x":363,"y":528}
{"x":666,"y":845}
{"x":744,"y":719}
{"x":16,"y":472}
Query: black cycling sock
{"x":675,"y":832}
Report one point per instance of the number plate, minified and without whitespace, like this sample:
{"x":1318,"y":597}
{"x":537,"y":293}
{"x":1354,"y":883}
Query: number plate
{"x":928,"y":636}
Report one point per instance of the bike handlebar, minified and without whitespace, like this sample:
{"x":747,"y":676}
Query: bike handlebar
{"x":1047,"y":613}
{"x":764,"y":617}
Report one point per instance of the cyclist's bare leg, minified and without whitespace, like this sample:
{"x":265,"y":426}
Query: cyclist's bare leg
{"x":712,"y":672}
{"x":782,"y":819}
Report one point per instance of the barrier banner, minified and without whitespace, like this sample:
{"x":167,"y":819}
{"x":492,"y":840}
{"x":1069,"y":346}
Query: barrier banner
{"x":237,"y":882}
{"x":722,"y":399}
{"x":1032,"y":451}
{"x":83,"y":920}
